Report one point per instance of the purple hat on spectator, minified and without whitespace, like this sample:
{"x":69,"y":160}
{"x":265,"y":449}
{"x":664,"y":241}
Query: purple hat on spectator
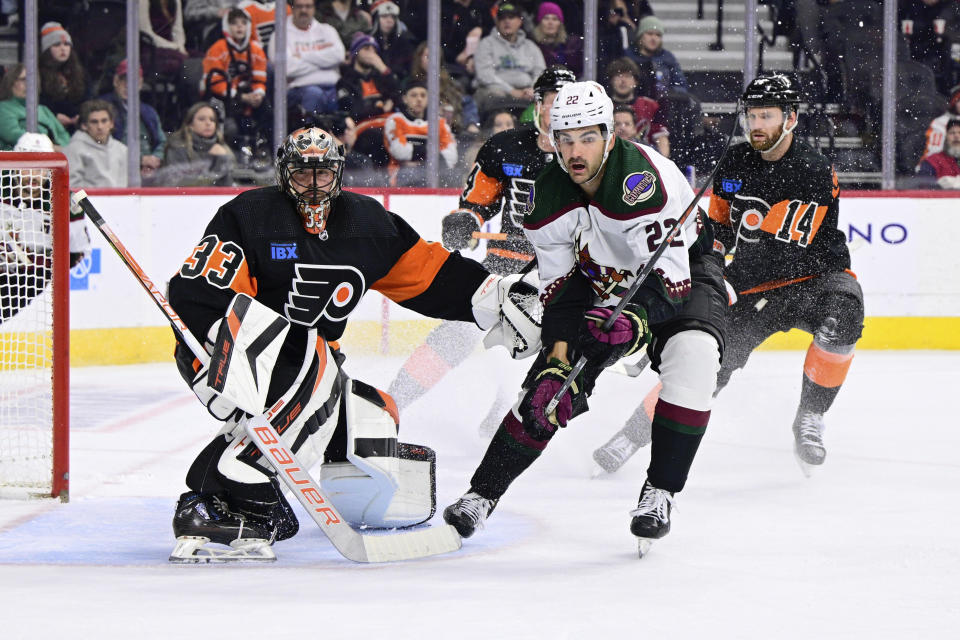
{"x":549,"y":8}
{"x":361,"y":40}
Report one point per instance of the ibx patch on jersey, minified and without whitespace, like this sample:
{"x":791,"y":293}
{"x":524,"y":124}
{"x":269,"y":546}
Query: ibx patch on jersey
{"x":639,"y":186}
{"x":321,"y":291}
{"x":283,"y":251}
{"x":728,"y":185}
{"x":512,"y":170}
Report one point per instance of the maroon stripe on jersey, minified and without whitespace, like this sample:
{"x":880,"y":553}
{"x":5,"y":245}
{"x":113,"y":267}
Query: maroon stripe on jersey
{"x":676,"y":413}
{"x":517,"y":432}
{"x":551,"y":218}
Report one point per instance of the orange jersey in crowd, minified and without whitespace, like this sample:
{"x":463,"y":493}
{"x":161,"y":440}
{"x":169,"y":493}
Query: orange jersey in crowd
{"x":406,"y":140}
{"x":261,"y":19}
{"x":249,"y":65}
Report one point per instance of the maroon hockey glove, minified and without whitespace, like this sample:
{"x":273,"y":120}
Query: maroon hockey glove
{"x":628,"y":333}
{"x":546,"y":385}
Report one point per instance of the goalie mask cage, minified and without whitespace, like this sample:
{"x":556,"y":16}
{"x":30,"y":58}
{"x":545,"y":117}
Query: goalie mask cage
{"x":34,"y":325}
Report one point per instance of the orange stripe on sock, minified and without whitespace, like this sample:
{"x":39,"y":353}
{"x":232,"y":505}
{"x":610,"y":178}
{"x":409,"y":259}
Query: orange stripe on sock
{"x":426,"y":366}
{"x":826,"y":369}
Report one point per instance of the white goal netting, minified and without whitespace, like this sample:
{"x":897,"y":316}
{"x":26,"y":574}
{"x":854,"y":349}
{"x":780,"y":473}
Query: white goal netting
{"x":26,"y":331}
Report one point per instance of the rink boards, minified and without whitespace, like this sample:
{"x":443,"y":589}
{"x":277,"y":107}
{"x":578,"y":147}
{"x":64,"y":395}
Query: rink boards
{"x":899,"y":253}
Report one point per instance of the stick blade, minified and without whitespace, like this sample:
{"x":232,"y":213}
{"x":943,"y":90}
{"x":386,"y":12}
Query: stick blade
{"x":412,"y":544}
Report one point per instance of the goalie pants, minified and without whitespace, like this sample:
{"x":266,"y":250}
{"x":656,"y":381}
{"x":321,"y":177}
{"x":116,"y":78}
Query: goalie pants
{"x":686,"y":351}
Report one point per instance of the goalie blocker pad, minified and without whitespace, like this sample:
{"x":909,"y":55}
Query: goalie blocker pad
{"x":382,"y":483}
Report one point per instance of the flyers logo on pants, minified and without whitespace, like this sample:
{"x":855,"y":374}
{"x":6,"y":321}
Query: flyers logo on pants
{"x":319,"y":291}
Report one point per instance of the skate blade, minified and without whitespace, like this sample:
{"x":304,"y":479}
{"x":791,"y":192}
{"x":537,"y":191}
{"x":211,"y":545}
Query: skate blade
{"x":193,"y":550}
{"x":598,"y":472}
{"x":805,"y":467}
{"x":643,"y":546}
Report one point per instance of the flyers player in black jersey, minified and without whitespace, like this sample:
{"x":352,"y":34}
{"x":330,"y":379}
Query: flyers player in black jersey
{"x":498,"y":183}
{"x":280,"y":269}
{"x":775,"y":210}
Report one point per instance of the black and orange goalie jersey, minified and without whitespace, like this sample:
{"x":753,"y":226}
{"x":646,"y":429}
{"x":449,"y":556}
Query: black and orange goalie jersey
{"x":256,"y":244}
{"x":779,"y":219}
{"x":505,"y":168}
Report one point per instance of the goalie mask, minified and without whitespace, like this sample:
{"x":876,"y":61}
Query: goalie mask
{"x":310,"y":170}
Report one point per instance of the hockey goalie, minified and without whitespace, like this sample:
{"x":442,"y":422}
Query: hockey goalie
{"x":270,"y":288}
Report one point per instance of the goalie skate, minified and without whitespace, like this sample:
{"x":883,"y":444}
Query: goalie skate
{"x":201,"y":520}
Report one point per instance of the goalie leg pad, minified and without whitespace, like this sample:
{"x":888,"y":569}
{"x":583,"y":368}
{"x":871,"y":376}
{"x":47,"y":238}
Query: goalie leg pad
{"x":357,"y":496}
{"x":382,"y":483}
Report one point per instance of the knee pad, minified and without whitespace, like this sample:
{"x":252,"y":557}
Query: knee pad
{"x":846,"y":313}
{"x":382,"y":483}
{"x":689,"y":362}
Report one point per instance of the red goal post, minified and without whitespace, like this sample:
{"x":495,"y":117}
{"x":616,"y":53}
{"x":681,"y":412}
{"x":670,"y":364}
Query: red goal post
{"x":34,"y":325}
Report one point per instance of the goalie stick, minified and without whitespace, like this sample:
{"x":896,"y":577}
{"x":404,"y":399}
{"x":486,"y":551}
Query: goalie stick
{"x":355,"y":546}
{"x":644,"y":272}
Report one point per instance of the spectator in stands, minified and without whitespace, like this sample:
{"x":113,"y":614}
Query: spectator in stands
{"x":13,"y":112}
{"x":462,"y":25}
{"x":394,"y":40}
{"x":942,"y":168}
{"x":556,"y":45}
{"x":235,"y":71}
{"x":262,"y":19}
{"x":625,"y":82}
{"x":196,"y":153}
{"x":162,"y":22}
{"x":507,"y":63}
{"x":344,"y":16}
{"x":314,"y":55}
{"x":928,"y":37}
{"x":616,"y":26}
{"x":405,"y":137}
{"x":202,"y":19}
{"x":368,"y":87}
{"x":457,"y":107}
{"x":96,"y":158}
{"x":63,"y":83}
{"x":649,"y":47}
{"x":501,"y":120}
{"x":937,"y":131}
{"x":152,"y":137}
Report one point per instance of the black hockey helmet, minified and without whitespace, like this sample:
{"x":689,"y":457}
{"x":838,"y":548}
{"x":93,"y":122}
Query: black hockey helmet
{"x":552,"y":79}
{"x":303,"y":154}
{"x":773,"y":90}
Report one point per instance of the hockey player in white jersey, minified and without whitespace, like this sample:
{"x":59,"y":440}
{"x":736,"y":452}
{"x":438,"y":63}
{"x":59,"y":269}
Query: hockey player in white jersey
{"x":595,"y":218}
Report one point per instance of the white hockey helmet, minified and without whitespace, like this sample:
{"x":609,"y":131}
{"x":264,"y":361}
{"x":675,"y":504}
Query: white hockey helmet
{"x":34,"y":143}
{"x":581,"y":104}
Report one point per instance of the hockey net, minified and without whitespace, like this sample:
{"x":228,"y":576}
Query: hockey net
{"x":34,"y":324}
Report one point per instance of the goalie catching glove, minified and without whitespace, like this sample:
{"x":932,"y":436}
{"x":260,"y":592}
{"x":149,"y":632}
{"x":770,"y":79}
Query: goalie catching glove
{"x":510,"y":308}
{"x":628,"y":334}
{"x":458,"y":228}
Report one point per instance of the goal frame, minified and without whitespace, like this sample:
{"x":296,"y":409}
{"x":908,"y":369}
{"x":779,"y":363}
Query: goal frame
{"x":56,"y":163}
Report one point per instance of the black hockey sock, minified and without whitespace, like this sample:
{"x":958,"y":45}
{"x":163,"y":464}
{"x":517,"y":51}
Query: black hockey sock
{"x":677,"y":432}
{"x":816,"y":398}
{"x":510,"y":452}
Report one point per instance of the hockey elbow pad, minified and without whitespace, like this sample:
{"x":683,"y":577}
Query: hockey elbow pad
{"x":458,"y":228}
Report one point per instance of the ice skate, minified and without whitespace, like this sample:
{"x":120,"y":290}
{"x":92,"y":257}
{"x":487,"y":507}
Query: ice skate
{"x":651,"y":518}
{"x":808,"y":440}
{"x":200,"y":519}
{"x":494,"y":417}
{"x":468,"y":513}
{"x":624,"y":443}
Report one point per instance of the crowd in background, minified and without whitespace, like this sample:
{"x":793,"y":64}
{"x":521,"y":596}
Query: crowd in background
{"x":358,"y":68}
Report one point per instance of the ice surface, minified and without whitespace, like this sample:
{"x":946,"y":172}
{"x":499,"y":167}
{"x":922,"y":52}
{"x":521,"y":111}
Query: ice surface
{"x":868,"y":547}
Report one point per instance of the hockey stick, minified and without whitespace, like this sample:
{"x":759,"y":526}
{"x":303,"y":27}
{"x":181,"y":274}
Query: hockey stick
{"x":353,"y":545}
{"x":647,"y":270}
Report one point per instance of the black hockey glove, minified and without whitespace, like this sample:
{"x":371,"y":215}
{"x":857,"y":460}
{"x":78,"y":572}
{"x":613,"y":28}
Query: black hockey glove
{"x":628,"y":334}
{"x":458,"y":228}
